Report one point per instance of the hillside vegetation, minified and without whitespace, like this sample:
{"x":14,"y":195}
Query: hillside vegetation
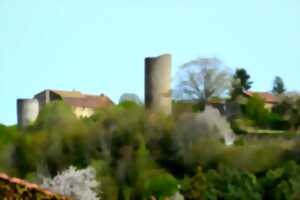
{"x":137,"y":155}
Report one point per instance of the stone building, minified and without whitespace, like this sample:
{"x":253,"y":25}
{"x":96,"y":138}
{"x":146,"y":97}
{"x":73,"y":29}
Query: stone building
{"x":83,"y":105}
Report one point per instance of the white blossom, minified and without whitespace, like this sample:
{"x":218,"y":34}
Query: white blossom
{"x":77,"y":184}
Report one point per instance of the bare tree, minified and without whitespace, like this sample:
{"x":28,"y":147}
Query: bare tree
{"x":202,"y":79}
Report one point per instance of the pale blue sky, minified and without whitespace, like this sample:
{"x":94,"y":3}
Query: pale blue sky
{"x":98,"y":46}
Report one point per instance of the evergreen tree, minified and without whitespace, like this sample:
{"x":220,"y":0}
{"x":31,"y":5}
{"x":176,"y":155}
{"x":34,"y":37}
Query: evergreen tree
{"x":278,"y":86}
{"x":241,"y":82}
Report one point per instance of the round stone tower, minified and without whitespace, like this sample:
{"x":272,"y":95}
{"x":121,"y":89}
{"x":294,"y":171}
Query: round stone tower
{"x":27,"y":111}
{"x":158,"y":84}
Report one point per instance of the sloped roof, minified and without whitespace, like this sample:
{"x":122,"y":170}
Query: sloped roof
{"x":30,"y":189}
{"x":266,"y":96}
{"x":63,"y":94}
{"x":89,"y":101}
{"x":77,"y":99}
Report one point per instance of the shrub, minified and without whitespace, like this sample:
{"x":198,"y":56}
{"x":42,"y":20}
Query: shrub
{"x":193,"y":188}
{"x":157,"y":183}
{"x":56,"y":115}
{"x":255,"y":110}
{"x":282,"y":183}
{"x":230,"y":184}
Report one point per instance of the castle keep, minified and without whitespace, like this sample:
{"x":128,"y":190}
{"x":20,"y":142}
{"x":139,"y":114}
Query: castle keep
{"x":158,"y":84}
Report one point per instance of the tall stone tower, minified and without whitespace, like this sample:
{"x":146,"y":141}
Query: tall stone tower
{"x":158,"y":96}
{"x":27,"y":111}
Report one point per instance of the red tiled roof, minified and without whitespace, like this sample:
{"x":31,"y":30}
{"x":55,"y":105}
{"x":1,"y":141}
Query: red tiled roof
{"x":34,"y":188}
{"x":266,"y":96}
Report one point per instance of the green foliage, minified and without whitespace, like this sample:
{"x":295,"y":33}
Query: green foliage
{"x":8,"y":134}
{"x":179,"y":107}
{"x":128,"y":104}
{"x":254,"y":156}
{"x":289,"y":108}
{"x":241,"y":82}
{"x":137,"y":154}
{"x":283,"y":107}
{"x":109,"y":188}
{"x":255,"y":111}
{"x":282,"y":183}
{"x":195,"y":187}
{"x":224,"y":183}
{"x":278,"y":86}
{"x":157,"y":183}
{"x":231,"y":184}
{"x":130,"y":97}
{"x":295,"y":115}
{"x":55,"y":115}
{"x":240,"y":125}
{"x":277,"y":122}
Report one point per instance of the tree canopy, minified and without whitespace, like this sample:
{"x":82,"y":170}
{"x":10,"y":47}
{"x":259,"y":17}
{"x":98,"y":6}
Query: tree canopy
{"x":278,"y":86}
{"x":241,"y":82}
{"x":202,"y":79}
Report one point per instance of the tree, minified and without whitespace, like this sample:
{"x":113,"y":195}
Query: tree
{"x":202,"y":79}
{"x":241,"y":82}
{"x":77,"y":184}
{"x":278,"y":86}
{"x":289,"y":108}
{"x":130,"y":97}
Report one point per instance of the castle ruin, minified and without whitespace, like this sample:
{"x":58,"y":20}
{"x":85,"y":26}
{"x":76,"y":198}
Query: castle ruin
{"x":158,"y":96}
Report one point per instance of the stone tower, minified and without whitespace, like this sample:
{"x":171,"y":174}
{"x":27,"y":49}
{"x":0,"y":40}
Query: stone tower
{"x":27,"y":111}
{"x":158,"y":96}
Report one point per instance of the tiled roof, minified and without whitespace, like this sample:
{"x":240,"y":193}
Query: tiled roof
{"x":63,"y":94}
{"x":77,"y":99}
{"x":266,"y":96}
{"x":34,"y":189}
{"x":89,"y":101}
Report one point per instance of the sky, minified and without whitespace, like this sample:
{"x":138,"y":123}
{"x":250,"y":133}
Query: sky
{"x":99,"y":46}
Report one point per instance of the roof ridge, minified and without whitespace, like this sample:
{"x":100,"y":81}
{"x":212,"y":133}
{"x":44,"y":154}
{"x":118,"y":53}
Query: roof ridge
{"x":29,"y":185}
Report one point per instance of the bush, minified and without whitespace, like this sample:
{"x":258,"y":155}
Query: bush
{"x":157,"y":183}
{"x":193,"y":188}
{"x":255,"y":110}
{"x":282,"y":183}
{"x":56,"y":115}
{"x":230,"y":184}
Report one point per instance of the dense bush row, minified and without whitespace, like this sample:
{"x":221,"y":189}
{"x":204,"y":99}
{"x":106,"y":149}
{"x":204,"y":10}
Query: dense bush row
{"x":137,"y":155}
